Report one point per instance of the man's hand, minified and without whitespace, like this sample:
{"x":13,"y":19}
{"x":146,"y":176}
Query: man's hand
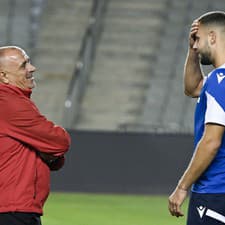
{"x":47,"y":157}
{"x":192,"y":34}
{"x":53,"y":162}
{"x":176,"y":199}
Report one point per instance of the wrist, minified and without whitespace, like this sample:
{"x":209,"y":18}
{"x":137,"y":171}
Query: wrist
{"x":182,"y":187}
{"x":192,"y":52}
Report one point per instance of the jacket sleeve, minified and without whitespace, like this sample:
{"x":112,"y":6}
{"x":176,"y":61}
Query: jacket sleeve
{"x":26,"y":124}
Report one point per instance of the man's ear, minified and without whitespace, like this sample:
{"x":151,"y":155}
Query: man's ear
{"x":3,"y":77}
{"x":212,"y":37}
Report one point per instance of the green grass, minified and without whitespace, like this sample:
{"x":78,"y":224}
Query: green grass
{"x":103,"y":209}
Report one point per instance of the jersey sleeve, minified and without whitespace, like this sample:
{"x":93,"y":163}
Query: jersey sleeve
{"x":25,"y":123}
{"x":215,"y":95}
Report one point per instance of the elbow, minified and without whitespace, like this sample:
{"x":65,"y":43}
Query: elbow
{"x":66,"y":141}
{"x":193,"y":90}
{"x":187,"y":93}
{"x":191,"y":94}
{"x":212,"y":145}
{"x":66,"y":144}
{"x":63,"y":146}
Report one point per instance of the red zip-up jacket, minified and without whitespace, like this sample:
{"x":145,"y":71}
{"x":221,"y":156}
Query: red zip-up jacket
{"x":24,"y":132}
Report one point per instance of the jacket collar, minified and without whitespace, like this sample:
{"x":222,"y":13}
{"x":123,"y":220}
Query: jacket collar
{"x":12,"y":88}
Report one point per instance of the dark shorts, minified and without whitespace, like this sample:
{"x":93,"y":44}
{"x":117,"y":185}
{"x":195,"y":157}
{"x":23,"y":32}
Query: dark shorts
{"x":19,"y":218}
{"x":206,"y":209}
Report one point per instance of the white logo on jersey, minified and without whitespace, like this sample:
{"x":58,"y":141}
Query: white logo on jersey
{"x":201,"y":210}
{"x":220,"y":77}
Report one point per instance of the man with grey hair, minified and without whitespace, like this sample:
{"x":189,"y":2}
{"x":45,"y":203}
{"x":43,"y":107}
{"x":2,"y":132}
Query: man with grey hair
{"x":206,"y":170}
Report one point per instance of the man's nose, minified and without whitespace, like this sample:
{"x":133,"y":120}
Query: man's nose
{"x":32,"y":68}
{"x":195,"y":46}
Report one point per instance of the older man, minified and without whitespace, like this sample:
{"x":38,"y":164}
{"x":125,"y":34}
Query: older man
{"x":30,"y":145}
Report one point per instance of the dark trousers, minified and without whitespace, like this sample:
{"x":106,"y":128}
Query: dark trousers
{"x":206,"y":209}
{"x":19,"y":218}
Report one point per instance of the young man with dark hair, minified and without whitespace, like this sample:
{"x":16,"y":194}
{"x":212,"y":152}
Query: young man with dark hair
{"x":206,"y":170}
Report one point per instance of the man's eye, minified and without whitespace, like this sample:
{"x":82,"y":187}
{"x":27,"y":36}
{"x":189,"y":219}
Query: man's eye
{"x":194,"y":37}
{"x":23,"y":65}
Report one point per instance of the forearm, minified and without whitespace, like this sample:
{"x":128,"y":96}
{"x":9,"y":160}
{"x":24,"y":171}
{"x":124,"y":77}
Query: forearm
{"x":39,"y":133}
{"x":192,"y":74}
{"x":202,"y":158}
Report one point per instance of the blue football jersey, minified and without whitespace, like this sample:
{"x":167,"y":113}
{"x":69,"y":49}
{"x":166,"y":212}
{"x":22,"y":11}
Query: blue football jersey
{"x":210,"y":108}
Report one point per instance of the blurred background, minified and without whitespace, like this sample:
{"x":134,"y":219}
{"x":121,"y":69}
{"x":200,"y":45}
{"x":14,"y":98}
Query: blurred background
{"x":110,"y":71}
{"x":109,"y":65}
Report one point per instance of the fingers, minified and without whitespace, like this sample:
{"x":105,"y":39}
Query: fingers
{"x":193,"y":31}
{"x":175,"y":201}
{"x":194,"y":26}
{"x":175,"y":210}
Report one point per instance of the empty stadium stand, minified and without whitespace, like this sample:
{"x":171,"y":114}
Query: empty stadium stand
{"x":5,"y":29}
{"x":59,"y":40}
{"x":136,"y":82}
{"x":136,"y":79}
{"x":15,"y":23}
{"x":122,"y":68}
{"x":166,"y":108}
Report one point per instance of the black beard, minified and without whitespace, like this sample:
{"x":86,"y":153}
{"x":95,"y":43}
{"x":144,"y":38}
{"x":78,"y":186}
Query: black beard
{"x":205,"y":59}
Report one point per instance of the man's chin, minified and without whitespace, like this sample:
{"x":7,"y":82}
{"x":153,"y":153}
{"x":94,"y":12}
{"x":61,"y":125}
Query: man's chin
{"x":205,"y":62}
{"x":33,"y":85}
